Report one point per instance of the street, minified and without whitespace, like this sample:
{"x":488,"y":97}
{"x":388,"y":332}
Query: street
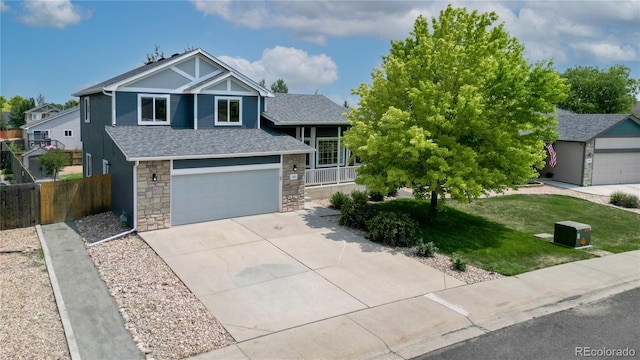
{"x":607,"y":329}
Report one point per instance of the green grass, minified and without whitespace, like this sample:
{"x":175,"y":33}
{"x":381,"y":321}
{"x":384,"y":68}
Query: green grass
{"x":70,"y":176}
{"x":497,"y":233}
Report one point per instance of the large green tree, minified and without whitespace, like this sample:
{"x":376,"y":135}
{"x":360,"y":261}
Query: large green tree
{"x":600,"y":91}
{"x":279,"y":86}
{"x":454,"y":109}
{"x":18,"y":106}
{"x":53,"y":161}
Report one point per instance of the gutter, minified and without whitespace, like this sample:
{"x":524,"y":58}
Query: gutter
{"x":113,"y":106}
{"x":113,"y":237}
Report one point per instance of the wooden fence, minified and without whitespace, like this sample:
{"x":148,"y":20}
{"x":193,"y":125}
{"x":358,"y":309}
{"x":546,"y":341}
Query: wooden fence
{"x":74,"y":199}
{"x":19,"y":206}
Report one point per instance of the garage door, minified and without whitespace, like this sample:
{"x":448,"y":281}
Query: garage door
{"x":616,"y":168}
{"x":224,"y":193}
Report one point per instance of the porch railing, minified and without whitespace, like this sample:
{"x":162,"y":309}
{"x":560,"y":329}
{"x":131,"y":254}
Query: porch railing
{"x":331,"y":175}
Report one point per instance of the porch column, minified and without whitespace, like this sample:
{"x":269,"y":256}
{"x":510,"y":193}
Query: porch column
{"x":339,"y":148}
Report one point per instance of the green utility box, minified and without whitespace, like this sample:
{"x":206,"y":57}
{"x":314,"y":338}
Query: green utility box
{"x":572,"y":234}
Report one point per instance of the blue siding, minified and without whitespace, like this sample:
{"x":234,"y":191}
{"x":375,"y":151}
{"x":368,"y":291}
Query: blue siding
{"x":198,"y":163}
{"x":180,"y":110}
{"x":206,"y":107}
{"x":205,"y":111}
{"x":121,"y":182}
{"x":126,"y":109}
{"x":625,"y":128}
{"x":92,"y":134}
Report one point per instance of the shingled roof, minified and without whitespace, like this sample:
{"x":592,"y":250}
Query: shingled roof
{"x":584,"y":127}
{"x":163,"y":142}
{"x":304,"y":109}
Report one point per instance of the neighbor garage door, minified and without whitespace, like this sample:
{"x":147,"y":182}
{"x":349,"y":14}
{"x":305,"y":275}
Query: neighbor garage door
{"x":226,"y":192}
{"x":616,"y":168}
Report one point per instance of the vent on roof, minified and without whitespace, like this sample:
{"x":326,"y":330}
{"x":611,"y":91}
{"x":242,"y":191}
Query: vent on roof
{"x":174,"y":55}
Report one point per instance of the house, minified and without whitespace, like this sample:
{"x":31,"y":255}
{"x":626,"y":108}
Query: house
{"x":41,"y":112}
{"x":596,"y":149}
{"x":183,"y":142}
{"x":318,"y":122}
{"x":61,"y":129}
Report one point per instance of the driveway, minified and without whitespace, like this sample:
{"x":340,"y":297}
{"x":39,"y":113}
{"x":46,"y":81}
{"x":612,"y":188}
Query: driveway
{"x":267,"y":273}
{"x":633,"y":189}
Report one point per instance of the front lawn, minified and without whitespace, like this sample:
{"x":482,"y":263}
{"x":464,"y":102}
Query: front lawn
{"x":497,"y":233}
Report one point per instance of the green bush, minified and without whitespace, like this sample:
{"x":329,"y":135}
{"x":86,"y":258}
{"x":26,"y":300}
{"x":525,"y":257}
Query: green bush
{"x":356,"y":211}
{"x":393,"y":193}
{"x":394,"y":229}
{"x":376,"y":196}
{"x":338,"y":199}
{"x":458,"y":263}
{"x":427,"y":249}
{"x":620,"y":198}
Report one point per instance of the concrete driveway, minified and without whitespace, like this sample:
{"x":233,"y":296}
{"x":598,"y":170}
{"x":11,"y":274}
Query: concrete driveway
{"x":267,"y":273}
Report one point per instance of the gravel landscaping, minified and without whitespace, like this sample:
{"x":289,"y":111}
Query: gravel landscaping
{"x":165,"y":319}
{"x":30,"y":326}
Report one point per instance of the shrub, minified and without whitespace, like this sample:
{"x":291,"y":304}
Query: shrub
{"x":394,"y":229}
{"x":338,"y":199}
{"x":376,"y":196}
{"x":458,"y":263}
{"x":427,"y":250}
{"x":393,"y":193}
{"x":356,"y":211}
{"x":620,"y":198}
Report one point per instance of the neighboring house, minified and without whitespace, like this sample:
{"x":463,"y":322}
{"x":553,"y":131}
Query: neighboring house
{"x":61,"y":129}
{"x":41,"y":112}
{"x":320,"y":123}
{"x":182,"y":140}
{"x":596,"y":149}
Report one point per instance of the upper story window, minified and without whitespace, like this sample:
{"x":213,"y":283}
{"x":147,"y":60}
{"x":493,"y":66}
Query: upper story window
{"x":153,"y":109}
{"x":87,"y":109}
{"x":228,"y":110}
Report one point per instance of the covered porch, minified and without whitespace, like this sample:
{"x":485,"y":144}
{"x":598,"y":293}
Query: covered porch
{"x":326,"y":176}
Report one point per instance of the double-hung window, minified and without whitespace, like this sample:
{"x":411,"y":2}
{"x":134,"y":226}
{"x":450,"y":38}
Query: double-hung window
{"x":328,"y":153}
{"x":153,"y":109}
{"x":228,"y":110}
{"x":87,"y":109}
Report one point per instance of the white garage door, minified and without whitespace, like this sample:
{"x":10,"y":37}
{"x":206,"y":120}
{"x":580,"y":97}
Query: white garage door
{"x":616,"y":168}
{"x":224,"y":192}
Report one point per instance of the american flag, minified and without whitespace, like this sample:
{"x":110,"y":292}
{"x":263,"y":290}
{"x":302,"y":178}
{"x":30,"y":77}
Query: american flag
{"x":552,"y":155}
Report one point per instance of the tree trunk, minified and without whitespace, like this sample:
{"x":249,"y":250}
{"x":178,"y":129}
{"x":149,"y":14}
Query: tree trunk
{"x":434,"y":207}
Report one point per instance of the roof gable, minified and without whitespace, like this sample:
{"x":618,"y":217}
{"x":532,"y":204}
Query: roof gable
{"x":178,"y":74}
{"x":628,"y":127}
{"x":44,"y":108}
{"x":584,"y":127}
{"x":304,"y":109}
{"x":66,"y":113}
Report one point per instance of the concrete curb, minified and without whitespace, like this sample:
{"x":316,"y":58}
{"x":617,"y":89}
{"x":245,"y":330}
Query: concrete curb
{"x":64,"y":316}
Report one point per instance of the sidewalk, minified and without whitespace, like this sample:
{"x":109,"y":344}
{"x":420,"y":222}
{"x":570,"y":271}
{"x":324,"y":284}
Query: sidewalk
{"x":92,"y":324}
{"x":415,"y":326}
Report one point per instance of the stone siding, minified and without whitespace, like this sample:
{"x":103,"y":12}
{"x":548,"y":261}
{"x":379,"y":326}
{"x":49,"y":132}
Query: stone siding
{"x":293,"y":190}
{"x":154,"y":197}
{"x":587,"y":169}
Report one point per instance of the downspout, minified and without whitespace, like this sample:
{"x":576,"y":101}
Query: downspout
{"x":135,"y":210}
{"x":113,"y":107}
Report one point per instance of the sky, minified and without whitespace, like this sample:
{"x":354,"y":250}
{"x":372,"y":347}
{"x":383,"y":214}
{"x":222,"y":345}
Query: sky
{"x":56,"y":48}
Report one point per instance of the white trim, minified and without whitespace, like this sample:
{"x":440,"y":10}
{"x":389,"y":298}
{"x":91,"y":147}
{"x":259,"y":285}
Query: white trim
{"x":150,"y":90}
{"x":182,"y":88}
{"x":135,"y":195}
{"x":154,"y":121}
{"x":226,"y":169}
{"x":195,"y":111}
{"x":259,"y":97}
{"x":229,"y":99}
{"x":182,"y":73}
{"x":280,"y":182}
{"x":105,"y":166}
{"x":220,"y":156}
{"x":88,"y":169}
{"x":87,"y":109}
{"x":318,"y":166}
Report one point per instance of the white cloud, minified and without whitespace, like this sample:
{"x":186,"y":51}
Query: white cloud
{"x":299,"y":70}
{"x":3,"y":7}
{"x":52,"y":13}
{"x":549,"y":29}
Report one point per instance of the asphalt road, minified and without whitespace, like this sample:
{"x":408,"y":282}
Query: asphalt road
{"x":592,"y":331}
